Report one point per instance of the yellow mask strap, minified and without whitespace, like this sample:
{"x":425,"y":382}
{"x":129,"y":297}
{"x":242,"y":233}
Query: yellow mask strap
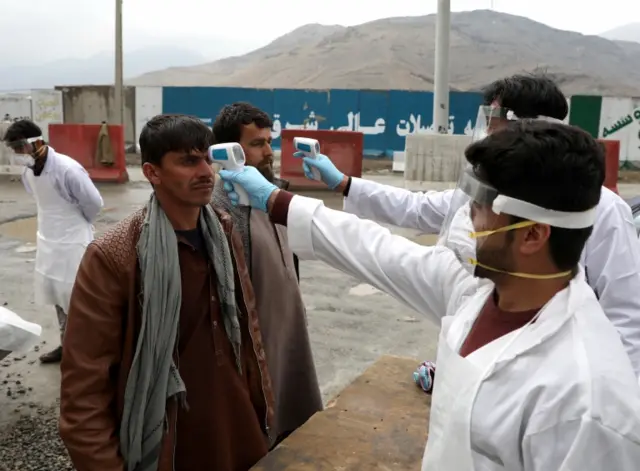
{"x":521,"y":275}
{"x":511,"y":227}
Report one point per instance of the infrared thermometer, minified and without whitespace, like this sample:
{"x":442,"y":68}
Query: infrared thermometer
{"x":310,"y":148}
{"x":230,"y":156}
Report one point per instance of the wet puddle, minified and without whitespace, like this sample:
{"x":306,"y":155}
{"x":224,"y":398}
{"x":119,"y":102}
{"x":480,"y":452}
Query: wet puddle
{"x":22,"y":229}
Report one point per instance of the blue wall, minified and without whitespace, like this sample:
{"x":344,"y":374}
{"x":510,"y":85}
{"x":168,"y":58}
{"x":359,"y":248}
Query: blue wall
{"x":385,"y":117}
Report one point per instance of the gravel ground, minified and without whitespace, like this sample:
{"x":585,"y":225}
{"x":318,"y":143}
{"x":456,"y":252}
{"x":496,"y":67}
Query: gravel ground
{"x":32,"y":441}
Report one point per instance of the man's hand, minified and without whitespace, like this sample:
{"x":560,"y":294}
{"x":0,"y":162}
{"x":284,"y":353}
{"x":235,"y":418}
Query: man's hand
{"x":257,"y":187}
{"x":330,"y":175}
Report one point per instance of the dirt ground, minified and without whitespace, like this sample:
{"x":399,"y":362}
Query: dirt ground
{"x":629,"y":176}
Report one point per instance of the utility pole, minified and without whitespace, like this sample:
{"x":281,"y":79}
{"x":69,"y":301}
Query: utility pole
{"x":118,"y":93}
{"x":441,"y":81}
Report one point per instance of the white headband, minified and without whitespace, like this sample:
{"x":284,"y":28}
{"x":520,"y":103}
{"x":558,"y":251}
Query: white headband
{"x":565,"y":220}
{"x":511,"y":116}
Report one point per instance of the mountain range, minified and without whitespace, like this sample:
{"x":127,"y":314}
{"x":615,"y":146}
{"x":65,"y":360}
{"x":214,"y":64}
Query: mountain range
{"x":630,"y":32}
{"x":392,"y":53}
{"x":398,"y":53}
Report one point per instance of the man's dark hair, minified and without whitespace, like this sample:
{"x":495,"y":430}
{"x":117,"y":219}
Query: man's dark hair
{"x":22,"y":129}
{"x":173,"y":133}
{"x":528,"y":96}
{"x":228,"y":124}
{"x":552,"y":165}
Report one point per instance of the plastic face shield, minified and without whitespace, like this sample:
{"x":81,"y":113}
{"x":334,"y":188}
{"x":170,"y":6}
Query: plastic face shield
{"x":20,"y":151}
{"x":493,"y":118}
{"x":23,"y":146}
{"x":490,"y":119}
{"x":473,"y":216}
{"x":471,"y":199}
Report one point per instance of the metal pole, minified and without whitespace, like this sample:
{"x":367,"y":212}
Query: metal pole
{"x":441,"y":80}
{"x":118,"y":93}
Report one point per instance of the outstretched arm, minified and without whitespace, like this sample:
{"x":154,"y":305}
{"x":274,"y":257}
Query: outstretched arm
{"x":430,"y":280}
{"x":382,"y":203}
{"x":397,"y":206}
{"x":427,"y":279}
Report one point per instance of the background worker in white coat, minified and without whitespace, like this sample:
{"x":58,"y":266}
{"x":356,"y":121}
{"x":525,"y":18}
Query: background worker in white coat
{"x":68,"y":204}
{"x":611,"y":257}
{"x":531,"y":374}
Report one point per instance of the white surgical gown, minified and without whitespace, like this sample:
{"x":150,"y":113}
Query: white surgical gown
{"x":566,"y":398}
{"x":611,"y":257}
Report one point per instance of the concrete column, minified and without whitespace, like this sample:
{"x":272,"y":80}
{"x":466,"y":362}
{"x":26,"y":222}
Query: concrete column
{"x":118,"y":92}
{"x":441,"y":79}
{"x":434,"y":157}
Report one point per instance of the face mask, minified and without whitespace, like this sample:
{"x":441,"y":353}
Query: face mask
{"x":462,"y":239}
{"x":24,"y":159}
{"x":459,"y":241}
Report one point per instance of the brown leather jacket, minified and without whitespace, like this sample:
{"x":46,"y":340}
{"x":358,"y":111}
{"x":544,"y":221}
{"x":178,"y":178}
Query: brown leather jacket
{"x":100,"y":344}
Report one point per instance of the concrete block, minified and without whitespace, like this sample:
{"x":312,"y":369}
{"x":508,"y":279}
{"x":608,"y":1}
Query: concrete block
{"x":434,"y":157}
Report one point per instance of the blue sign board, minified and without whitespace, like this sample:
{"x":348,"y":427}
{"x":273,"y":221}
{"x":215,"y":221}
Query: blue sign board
{"x":384,"y":116}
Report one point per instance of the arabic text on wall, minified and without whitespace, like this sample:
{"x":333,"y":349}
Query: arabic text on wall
{"x":404,"y":127}
{"x":622,"y":123}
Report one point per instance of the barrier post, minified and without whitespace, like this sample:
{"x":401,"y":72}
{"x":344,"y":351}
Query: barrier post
{"x":80,"y":142}
{"x":612,"y":154}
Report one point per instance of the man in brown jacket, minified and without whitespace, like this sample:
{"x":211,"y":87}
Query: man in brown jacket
{"x":272,"y":267}
{"x":164,"y":366}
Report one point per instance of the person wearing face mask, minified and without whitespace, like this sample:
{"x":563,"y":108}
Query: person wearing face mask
{"x":273,"y":270}
{"x":531,"y":374}
{"x":68,"y":204}
{"x":611,"y":256}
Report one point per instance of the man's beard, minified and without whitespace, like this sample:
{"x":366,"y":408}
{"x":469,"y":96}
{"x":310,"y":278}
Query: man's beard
{"x":267,"y":172}
{"x":499,"y":259}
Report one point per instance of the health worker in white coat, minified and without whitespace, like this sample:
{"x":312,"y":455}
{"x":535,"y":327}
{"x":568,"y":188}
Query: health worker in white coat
{"x":531,"y":375}
{"x":68,"y":204}
{"x":611,"y":257}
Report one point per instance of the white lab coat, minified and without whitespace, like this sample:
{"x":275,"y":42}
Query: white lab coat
{"x":63,"y":232}
{"x":564,"y":397}
{"x":611,"y":257}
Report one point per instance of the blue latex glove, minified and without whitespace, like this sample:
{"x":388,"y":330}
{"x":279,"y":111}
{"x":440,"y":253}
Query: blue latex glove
{"x":330,"y":175}
{"x":257,"y":187}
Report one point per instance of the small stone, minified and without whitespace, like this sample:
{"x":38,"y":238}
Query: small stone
{"x":33,"y":443}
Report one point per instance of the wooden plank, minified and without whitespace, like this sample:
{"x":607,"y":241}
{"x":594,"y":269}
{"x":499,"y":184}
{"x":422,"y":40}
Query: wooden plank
{"x":378,"y":422}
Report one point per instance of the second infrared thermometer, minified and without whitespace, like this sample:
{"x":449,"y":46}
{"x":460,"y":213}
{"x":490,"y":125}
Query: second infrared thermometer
{"x":310,"y":148}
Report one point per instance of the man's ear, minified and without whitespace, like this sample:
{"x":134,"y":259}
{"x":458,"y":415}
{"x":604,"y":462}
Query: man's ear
{"x":39,"y":147}
{"x":151,"y":173}
{"x":535,"y":238}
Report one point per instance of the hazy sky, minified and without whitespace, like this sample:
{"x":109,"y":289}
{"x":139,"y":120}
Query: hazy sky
{"x":37,"y":30}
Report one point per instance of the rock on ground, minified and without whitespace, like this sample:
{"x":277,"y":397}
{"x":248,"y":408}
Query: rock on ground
{"x":32,"y":443}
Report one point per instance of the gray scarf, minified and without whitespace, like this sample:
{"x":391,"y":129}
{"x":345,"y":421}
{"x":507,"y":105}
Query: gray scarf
{"x":154,"y":378}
